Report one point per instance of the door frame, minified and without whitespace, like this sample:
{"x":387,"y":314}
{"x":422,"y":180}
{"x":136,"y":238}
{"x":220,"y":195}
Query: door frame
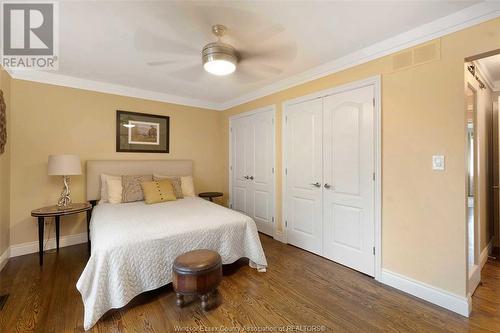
{"x":268,"y":108}
{"x":473,"y":270}
{"x":374,"y":81}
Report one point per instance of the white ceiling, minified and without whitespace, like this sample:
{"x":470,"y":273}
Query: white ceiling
{"x":111,"y":42}
{"x":490,"y":68}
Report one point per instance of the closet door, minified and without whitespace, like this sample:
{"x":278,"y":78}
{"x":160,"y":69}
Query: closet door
{"x":242,"y":164}
{"x":348,"y":155}
{"x":303,"y":126}
{"x":261,"y":176}
{"x":252,"y":162}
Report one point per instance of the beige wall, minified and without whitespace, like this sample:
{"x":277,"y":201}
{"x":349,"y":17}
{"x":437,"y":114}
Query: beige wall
{"x":423,"y":211}
{"x":5,"y":82}
{"x":49,"y":119}
{"x":484,"y":164}
{"x":424,"y":224}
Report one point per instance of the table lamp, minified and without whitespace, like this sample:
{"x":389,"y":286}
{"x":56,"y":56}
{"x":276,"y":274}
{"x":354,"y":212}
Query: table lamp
{"x":64,"y":165}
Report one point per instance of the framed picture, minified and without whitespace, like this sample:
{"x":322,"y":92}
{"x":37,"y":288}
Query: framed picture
{"x":142,"y":133}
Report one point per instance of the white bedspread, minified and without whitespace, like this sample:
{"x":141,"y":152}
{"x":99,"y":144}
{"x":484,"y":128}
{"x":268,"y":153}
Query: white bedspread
{"x":134,"y":246}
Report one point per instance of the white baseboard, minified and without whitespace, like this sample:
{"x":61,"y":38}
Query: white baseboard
{"x":445,"y":299}
{"x":32,"y":247}
{"x":483,"y":258}
{"x":4,"y":258}
{"x":280,"y":236}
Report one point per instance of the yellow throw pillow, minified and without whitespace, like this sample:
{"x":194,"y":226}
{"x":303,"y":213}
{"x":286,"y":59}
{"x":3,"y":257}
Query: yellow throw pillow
{"x":158,"y":191}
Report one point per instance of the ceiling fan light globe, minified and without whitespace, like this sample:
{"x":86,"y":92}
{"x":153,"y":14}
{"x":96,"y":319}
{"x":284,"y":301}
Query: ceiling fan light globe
{"x":219,"y":67}
{"x":219,"y":58}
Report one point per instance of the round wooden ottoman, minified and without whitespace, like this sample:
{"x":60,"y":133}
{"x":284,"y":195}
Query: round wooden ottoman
{"x":197,"y":273}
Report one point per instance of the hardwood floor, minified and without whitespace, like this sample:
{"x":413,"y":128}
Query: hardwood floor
{"x":298,"y":289}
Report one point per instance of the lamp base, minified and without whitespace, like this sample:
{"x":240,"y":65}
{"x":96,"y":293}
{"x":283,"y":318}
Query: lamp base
{"x":65,"y":198}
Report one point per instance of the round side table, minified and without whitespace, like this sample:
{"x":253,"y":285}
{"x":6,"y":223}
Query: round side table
{"x":56,"y":212}
{"x":210,"y":195}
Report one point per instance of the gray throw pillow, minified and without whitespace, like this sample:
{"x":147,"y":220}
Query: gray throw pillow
{"x":131,"y":187}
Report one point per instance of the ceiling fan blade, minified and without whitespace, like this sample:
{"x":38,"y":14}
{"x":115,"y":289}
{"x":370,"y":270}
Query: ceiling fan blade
{"x":267,"y":68}
{"x":161,"y":63}
{"x":191,"y":73}
{"x":245,"y":74}
{"x":180,"y":62}
{"x":192,"y":22}
{"x":263,"y":35}
{"x":281,"y":53}
{"x":149,"y":42}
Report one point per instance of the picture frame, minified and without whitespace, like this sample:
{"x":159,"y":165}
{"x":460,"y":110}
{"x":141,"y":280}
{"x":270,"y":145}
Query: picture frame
{"x":142,"y":133}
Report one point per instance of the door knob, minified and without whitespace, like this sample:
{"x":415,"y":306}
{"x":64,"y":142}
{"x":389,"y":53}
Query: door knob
{"x":316,"y":184}
{"x":251,"y":177}
{"x":327,"y":185}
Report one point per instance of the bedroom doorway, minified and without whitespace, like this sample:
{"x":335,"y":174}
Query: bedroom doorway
{"x":252,"y":166}
{"x":481,"y":93}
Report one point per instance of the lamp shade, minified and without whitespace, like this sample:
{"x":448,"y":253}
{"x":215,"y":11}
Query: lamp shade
{"x":64,"y":165}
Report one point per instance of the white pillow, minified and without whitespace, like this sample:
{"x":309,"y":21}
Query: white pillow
{"x":186,"y":184}
{"x":104,"y":186}
{"x":114,"y":190}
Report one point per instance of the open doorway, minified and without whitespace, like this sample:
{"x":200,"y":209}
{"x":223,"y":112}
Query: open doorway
{"x":482,"y":91}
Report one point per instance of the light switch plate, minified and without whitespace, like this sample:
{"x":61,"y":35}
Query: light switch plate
{"x":438,"y":162}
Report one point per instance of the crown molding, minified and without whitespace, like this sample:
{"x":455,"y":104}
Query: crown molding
{"x":109,"y":88}
{"x":465,"y":18}
{"x":457,"y":21}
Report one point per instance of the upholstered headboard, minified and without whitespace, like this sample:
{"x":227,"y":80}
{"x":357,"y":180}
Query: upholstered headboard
{"x":134,"y":167}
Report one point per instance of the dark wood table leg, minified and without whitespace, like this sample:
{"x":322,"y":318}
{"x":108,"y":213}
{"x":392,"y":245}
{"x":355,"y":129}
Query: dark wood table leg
{"x":89,"y":215}
{"x":41,"y":224}
{"x":57,"y":231}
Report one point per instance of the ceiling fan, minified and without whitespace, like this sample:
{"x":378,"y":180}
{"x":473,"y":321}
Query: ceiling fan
{"x":219,"y":58}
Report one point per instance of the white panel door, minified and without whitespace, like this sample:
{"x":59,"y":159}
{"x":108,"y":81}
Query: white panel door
{"x":303,"y":126}
{"x":261,"y":172}
{"x":252,"y":162}
{"x":241,"y":139}
{"x":348,"y":159}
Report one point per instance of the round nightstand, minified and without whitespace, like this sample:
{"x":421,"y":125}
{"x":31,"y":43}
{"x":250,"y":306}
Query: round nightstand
{"x":210,"y":195}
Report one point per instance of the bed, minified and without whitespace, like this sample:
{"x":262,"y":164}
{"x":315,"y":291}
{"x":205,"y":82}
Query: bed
{"x":134,"y":244}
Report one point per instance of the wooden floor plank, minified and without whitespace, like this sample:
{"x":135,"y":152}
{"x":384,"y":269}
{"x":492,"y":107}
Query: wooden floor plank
{"x":299,"y":288}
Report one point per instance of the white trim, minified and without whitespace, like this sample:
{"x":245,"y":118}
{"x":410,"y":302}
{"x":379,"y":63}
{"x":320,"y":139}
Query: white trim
{"x":4,"y":258}
{"x":32,"y":247}
{"x":446,"y":25}
{"x":377,"y":86}
{"x":483,"y":258}
{"x":443,"y":298}
{"x":462,"y":19}
{"x":376,"y":82}
{"x":268,"y":108}
{"x":373,"y":80}
{"x":280,"y":236}
{"x":474,"y":279}
{"x":108,"y":88}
